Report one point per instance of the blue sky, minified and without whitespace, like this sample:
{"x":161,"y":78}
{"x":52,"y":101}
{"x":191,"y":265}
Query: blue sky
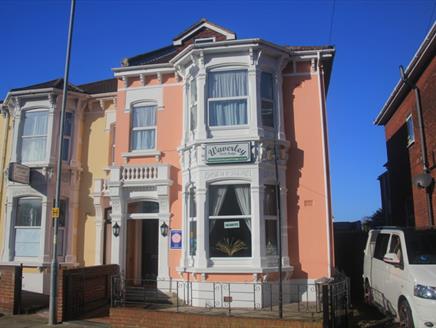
{"x":372,"y":39}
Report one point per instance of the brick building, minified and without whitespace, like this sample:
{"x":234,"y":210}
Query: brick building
{"x":404,"y":203}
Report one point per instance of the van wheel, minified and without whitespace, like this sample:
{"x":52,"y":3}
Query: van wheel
{"x":368,"y":298}
{"x":405,"y":314}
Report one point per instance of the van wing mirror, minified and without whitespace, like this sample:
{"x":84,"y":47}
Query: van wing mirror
{"x":391,"y":258}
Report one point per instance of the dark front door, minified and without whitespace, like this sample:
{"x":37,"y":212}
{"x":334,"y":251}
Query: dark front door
{"x":150,"y":249}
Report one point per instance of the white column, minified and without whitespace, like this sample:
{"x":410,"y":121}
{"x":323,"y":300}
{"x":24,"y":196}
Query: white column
{"x":257,"y":231}
{"x":185,"y":229}
{"x":254,"y":103}
{"x":8,"y":249}
{"x":99,"y":235}
{"x":201,"y":102}
{"x":279,"y":106}
{"x":202,"y":227}
{"x":119,"y":216}
{"x":283,"y":199}
{"x":164,"y":217}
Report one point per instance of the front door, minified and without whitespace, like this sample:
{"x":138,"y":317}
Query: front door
{"x":150,"y":248}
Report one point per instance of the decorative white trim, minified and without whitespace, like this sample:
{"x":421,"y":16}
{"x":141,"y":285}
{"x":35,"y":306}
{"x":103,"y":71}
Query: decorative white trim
{"x":226,"y":33}
{"x":142,"y":153}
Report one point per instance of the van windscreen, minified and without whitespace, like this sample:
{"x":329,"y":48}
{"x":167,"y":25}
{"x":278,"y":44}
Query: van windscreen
{"x":421,"y":246}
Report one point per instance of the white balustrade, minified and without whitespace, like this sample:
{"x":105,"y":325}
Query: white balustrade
{"x":140,"y":173}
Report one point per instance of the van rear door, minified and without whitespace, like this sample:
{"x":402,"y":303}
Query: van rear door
{"x":379,"y":269}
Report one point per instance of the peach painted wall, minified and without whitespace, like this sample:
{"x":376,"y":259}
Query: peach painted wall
{"x":306,"y":177}
{"x":169,"y":133}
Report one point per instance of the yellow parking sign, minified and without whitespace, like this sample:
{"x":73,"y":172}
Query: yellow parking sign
{"x":55,"y":212}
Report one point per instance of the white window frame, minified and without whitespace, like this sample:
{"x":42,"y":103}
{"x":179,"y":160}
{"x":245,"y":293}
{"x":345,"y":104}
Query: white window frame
{"x":226,"y":217}
{"x":70,"y":138}
{"x":22,"y":136}
{"x":269,"y":217}
{"x":193,"y":104}
{"x":271,"y":101}
{"x":15,"y":226}
{"x":63,"y":230}
{"x":143,"y":128}
{"x":410,"y":140}
{"x":246,"y":97}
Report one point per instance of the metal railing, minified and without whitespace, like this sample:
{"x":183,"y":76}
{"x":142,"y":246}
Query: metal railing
{"x":230,"y":298}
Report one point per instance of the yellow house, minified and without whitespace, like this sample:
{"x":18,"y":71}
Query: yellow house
{"x":30,"y":117}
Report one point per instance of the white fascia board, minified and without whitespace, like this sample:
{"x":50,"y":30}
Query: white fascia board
{"x":103,"y":95}
{"x":399,"y":87}
{"x":227,"y":34}
{"x":145,"y":71}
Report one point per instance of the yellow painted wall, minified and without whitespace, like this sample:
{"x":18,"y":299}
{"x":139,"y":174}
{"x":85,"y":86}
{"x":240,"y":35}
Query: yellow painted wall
{"x":5,"y":149}
{"x":95,"y":157}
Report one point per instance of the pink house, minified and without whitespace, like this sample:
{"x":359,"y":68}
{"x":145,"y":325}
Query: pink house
{"x":192,"y":187}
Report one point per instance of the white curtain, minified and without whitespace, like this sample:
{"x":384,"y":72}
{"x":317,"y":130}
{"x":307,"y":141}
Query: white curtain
{"x":34,"y":136}
{"x":228,"y":112}
{"x":227,"y":85}
{"x":143,"y":121}
{"x":243,"y":197}
{"x":217,"y":195}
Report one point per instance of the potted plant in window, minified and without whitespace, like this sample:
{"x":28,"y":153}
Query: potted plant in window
{"x":229,"y":246}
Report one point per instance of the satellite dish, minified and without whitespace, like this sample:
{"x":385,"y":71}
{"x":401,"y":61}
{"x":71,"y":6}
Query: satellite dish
{"x":423,"y":180}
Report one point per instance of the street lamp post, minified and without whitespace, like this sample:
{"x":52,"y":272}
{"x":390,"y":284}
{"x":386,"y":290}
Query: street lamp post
{"x":55,"y":214}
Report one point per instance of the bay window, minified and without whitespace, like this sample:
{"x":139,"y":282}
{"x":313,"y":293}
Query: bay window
{"x":28,"y":227}
{"x":229,"y":221}
{"x":193,"y":104}
{"x":270,"y":215}
{"x":34,"y":135}
{"x":62,"y":223}
{"x":143,"y":134}
{"x":267,"y":99}
{"x":192,"y":223}
{"x":227,"y":97}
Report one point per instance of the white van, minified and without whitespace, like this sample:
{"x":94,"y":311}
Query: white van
{"x":399,"y":274}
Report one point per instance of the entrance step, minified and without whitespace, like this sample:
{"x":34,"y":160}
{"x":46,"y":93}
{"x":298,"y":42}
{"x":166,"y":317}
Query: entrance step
{"x":146,"y":295}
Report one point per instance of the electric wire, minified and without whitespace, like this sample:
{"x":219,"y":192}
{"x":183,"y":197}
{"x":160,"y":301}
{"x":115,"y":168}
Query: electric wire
{"x":332,"y":17}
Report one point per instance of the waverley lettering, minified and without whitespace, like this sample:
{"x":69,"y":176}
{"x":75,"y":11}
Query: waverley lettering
{"x":228,"y":153}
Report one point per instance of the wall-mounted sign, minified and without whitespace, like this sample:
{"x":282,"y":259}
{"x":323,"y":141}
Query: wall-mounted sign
{"x":19,"y":173}
{"x":235,"y":152}
{"x":176,"y":239}
{"x":231,"y":225}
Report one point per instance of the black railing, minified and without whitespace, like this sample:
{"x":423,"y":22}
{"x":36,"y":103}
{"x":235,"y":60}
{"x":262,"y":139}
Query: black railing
{"x":328,"y":300}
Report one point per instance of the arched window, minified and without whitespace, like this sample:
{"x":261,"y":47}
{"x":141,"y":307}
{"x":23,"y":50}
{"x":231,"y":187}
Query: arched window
{"x":143,"y":127}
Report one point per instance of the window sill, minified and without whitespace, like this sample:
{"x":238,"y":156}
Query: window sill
{"x":229,"y":127}
{"x":142,"y":153}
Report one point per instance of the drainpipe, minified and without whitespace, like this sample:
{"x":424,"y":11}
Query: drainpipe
{"x":5,"y":112}
{"x":425,"y":169}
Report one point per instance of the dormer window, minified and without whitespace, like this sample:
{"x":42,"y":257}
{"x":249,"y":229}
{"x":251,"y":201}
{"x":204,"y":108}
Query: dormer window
{"x":204,"y":40}
{"x":227,"y":97}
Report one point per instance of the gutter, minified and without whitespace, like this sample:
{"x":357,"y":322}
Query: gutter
{"x":400,"y":87}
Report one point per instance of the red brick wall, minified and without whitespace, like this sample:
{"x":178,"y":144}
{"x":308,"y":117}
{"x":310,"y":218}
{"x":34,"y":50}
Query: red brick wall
{"x":10,"y":289}
{"x":83,"y":291}
{"x":395,"y":128}
{"x":134,"y":317}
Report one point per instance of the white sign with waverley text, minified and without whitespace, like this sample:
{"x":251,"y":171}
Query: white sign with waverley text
{"x":235,"y":152}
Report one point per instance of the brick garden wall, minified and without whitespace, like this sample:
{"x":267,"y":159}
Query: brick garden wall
{"x":84,"y":292}
{"x":10,"y":289}
{"x":134,"y":317}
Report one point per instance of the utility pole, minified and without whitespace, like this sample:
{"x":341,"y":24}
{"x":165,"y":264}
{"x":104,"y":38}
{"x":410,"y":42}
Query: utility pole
{"x":55,"y":213}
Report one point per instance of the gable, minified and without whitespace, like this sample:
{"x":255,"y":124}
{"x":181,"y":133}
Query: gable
{"x":203,"y":29}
